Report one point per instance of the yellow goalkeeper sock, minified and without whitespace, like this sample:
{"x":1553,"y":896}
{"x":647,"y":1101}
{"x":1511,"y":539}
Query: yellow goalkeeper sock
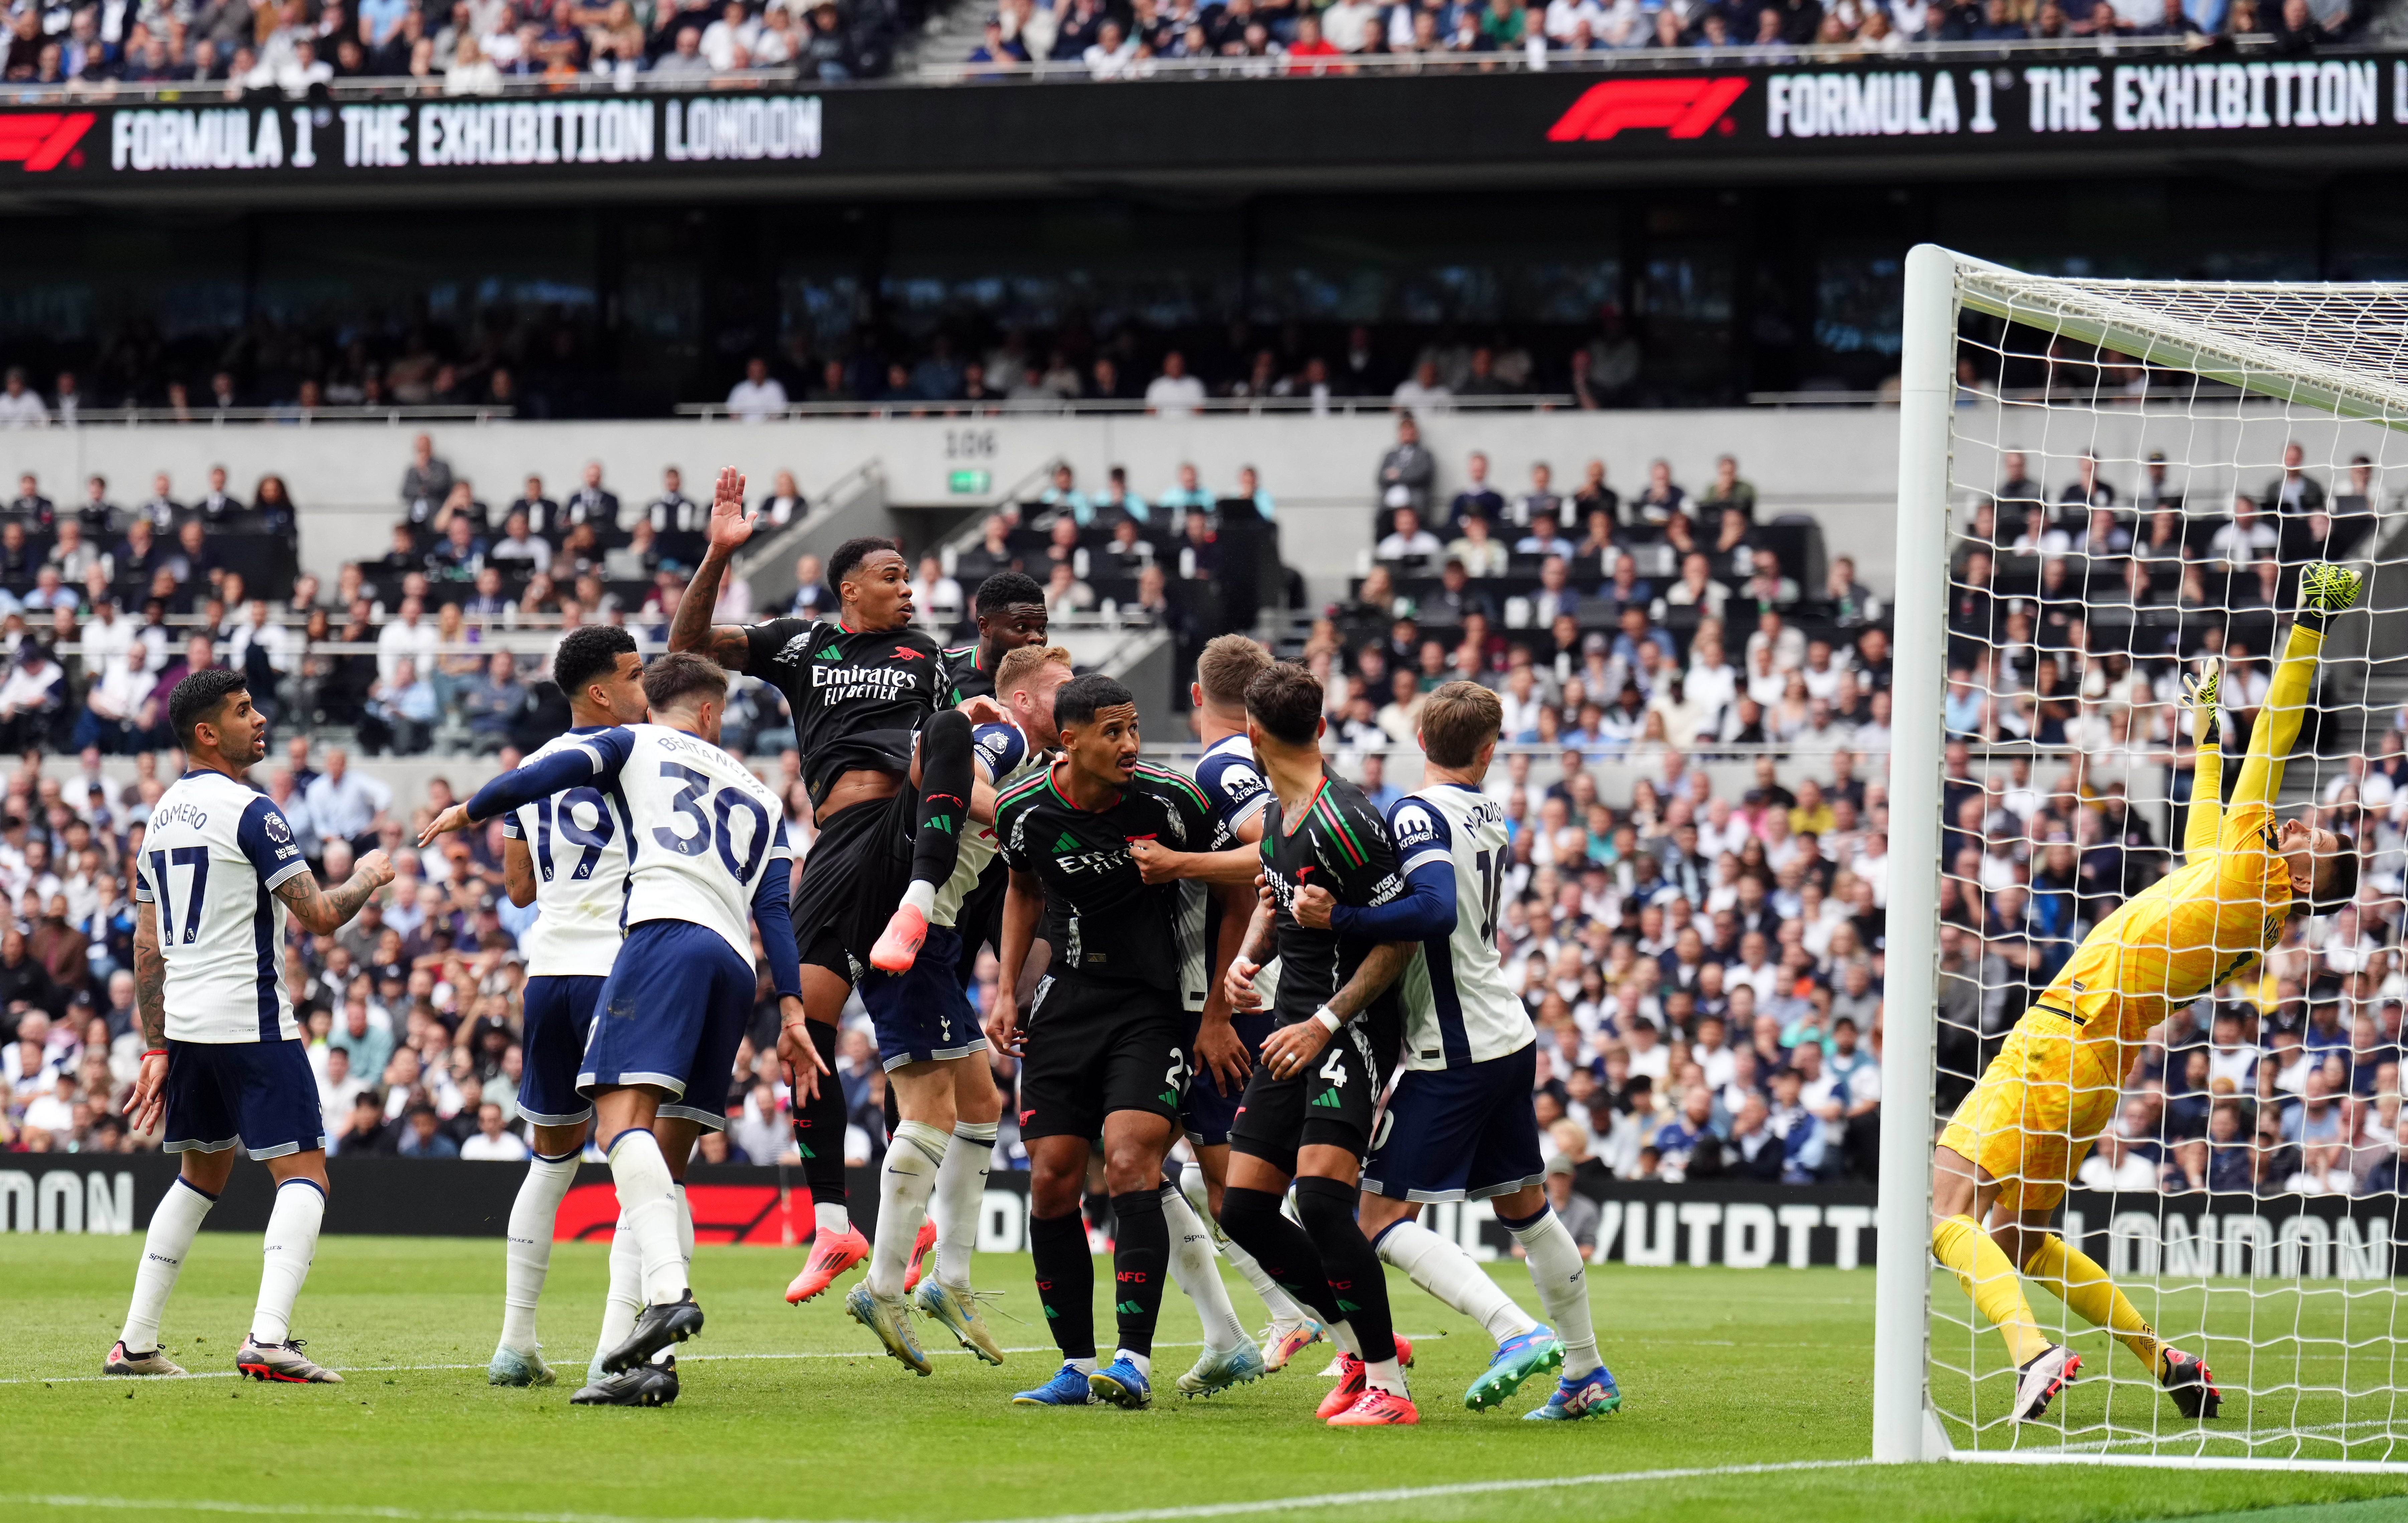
{"x":1990,"y":1281}
{"x":2076,"y":1278}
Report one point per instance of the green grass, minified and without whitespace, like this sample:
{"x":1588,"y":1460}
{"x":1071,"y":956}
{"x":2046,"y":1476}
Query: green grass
{"x":1722,"y":1368}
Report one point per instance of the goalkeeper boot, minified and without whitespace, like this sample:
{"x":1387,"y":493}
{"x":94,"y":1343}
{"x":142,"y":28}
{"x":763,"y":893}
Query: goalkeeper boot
{"x":2191,"y":1384}
{"x":2041,"y":1378}
{"x":2325,"y":590}
{"x":122,"y":1361}
{"x":1517,"y":1358}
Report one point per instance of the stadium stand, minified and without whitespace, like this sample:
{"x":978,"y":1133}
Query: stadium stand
{"x":1696,"y":721}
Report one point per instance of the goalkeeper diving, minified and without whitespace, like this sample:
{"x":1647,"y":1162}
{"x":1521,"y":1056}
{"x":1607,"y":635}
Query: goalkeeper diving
{"x":2016,"y":1140}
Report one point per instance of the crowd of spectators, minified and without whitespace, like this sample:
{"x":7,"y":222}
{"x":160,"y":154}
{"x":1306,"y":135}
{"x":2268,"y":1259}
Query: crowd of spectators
{"x":1123,"y":39}
{"x":297,"y":48}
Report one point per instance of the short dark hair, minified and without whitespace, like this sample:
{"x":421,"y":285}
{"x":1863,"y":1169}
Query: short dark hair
{"x":1076,"y":701}
{"x":587,"y":652}
{"x":197,"y":697}
{"x":1006,"y":587}
{"x":1285,"y":699}
{"x":852,"y":553}
{"x":668,"y":679}
{"x":2340,"y":884}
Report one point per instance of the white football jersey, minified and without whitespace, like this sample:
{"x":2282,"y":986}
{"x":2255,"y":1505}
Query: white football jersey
{"x":578,"y":841}
{"x":701,"y":829}
{"x":210,"y":863}
{"x":1006,"y":754}
{"x":1458,"y":1010}
{"x":1233,"y":785}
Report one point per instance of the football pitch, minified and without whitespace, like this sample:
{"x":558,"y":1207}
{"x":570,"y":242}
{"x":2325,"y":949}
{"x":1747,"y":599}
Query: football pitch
{"x":1749,"y":1397}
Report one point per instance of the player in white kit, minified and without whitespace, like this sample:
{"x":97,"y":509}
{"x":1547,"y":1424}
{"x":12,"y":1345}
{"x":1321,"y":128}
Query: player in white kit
{"x":218,"y":876}
{"x":567,"y":856}
{"x":1460,"y":1126}
{"x":707,"y":852}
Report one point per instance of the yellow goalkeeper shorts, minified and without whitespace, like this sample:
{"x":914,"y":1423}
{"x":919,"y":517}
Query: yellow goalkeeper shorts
{"x":2043,"y":1101}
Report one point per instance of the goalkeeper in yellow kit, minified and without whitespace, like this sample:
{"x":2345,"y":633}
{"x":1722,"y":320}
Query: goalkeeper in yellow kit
{"x":2016,"y":1142}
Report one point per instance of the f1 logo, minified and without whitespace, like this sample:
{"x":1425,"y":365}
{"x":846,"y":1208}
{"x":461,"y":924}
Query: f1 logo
{"x":1682,"y":107}
{"x":40,"y":140}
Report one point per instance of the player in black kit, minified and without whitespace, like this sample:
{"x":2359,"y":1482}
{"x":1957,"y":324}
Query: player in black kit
{"x":1307,"y":1111}
{"x":1108,"y":1040}
{"x":889,"y":768}
{"x":1011,"y":611}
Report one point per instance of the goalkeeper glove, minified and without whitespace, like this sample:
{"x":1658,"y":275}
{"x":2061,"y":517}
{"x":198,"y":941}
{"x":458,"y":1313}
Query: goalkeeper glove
{"x":2325,"y":590}
{"x":2204,"y":693}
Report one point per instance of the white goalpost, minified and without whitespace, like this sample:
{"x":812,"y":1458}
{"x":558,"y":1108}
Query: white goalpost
{"x":2109,"y":490}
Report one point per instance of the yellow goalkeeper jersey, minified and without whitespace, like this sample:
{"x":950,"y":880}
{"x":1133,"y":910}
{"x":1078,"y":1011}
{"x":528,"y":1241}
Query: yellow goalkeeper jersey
{"x":2206,"y":922}
{"x":2189,"y":932}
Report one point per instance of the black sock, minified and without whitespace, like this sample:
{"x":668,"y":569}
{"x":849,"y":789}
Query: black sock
{"x":1141,"y":1258}
{"x":1359,"y":1287}
{"x":1065,"y":1282}
{"x":944,"y":795}
{"x":1252,"y":1218}
{"x":819,"y":1125}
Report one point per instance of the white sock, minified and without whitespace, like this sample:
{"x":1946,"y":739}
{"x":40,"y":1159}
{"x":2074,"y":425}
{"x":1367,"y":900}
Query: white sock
{"x":830,"y":1216}
{"x":1281,"y":1306}
{"x":1383,"y":1374}
{"x":172,"y":1226}
{"x":1143,"y":1362}
{"x":647,"y":1205}
{"x":1084,"y":1366}
{"x":1562,"y":1279}
{"x":904,"y":1184}
{"x":528,"y":1254}
{"x":1194,"y":1270}
{"x":921,"y":896}
{"x":961,"y":1196}
{"x":291,"y":1242}
{"x":1450,"y":1275}
{"x":626,"y":1297}
{"x":1342,"y":1333}
{"x":685,"y":1255}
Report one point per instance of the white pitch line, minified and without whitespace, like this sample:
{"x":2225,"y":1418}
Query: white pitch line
{"x":1142,"y":1514}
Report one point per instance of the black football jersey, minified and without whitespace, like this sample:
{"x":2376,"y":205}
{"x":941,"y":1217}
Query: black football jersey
{"x":1342,"y":844}
{"x":971,"y":679}
{"x":858,"y":696}
{"x":1102,"y":918}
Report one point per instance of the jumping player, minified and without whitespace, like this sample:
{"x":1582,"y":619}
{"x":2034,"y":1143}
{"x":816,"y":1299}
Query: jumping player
{"x":1459,"y":1125}
{"x":710,"y":848}
{"x":890,"y":775}
{"x":935,"y":1061}
{"x":568,"y":856}
{"x":1306,"y":1114}
{"x":2017,"y":1139}
{"x":219,"y":877}
{"x":1107,"y":1038}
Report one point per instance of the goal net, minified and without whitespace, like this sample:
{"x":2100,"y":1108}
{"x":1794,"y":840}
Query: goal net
{"x":2110,"y":491}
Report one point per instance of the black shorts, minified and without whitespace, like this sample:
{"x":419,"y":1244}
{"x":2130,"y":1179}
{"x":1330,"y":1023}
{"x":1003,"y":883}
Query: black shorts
{"x":1330,"y":1103}
{"x":853,"y":877}
{"x":1095,"y":1048}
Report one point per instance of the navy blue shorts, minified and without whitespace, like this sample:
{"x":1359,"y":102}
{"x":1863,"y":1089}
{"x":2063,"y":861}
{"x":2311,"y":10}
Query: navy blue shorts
{"x":671,"y":1016}
{"x":1208,"y":1114}
{"x":261,"y":1094}
{"x":559,"y":1012}
{"x":923,"y":1014}
{"x":1460,"y":1133}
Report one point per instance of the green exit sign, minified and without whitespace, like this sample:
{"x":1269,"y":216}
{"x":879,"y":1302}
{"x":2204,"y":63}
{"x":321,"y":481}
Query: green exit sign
{"x":968,"y":483}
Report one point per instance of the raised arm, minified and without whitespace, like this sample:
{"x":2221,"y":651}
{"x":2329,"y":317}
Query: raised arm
{"x":596,"y":757}
{"x":730,"y":526}
{"x":2325,"y":590}
{"x":2205,"y":820}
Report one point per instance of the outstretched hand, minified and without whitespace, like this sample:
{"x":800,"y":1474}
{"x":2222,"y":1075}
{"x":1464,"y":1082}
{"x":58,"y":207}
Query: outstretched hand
{"x":454,"y":819}
{"x":730,"y":525}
